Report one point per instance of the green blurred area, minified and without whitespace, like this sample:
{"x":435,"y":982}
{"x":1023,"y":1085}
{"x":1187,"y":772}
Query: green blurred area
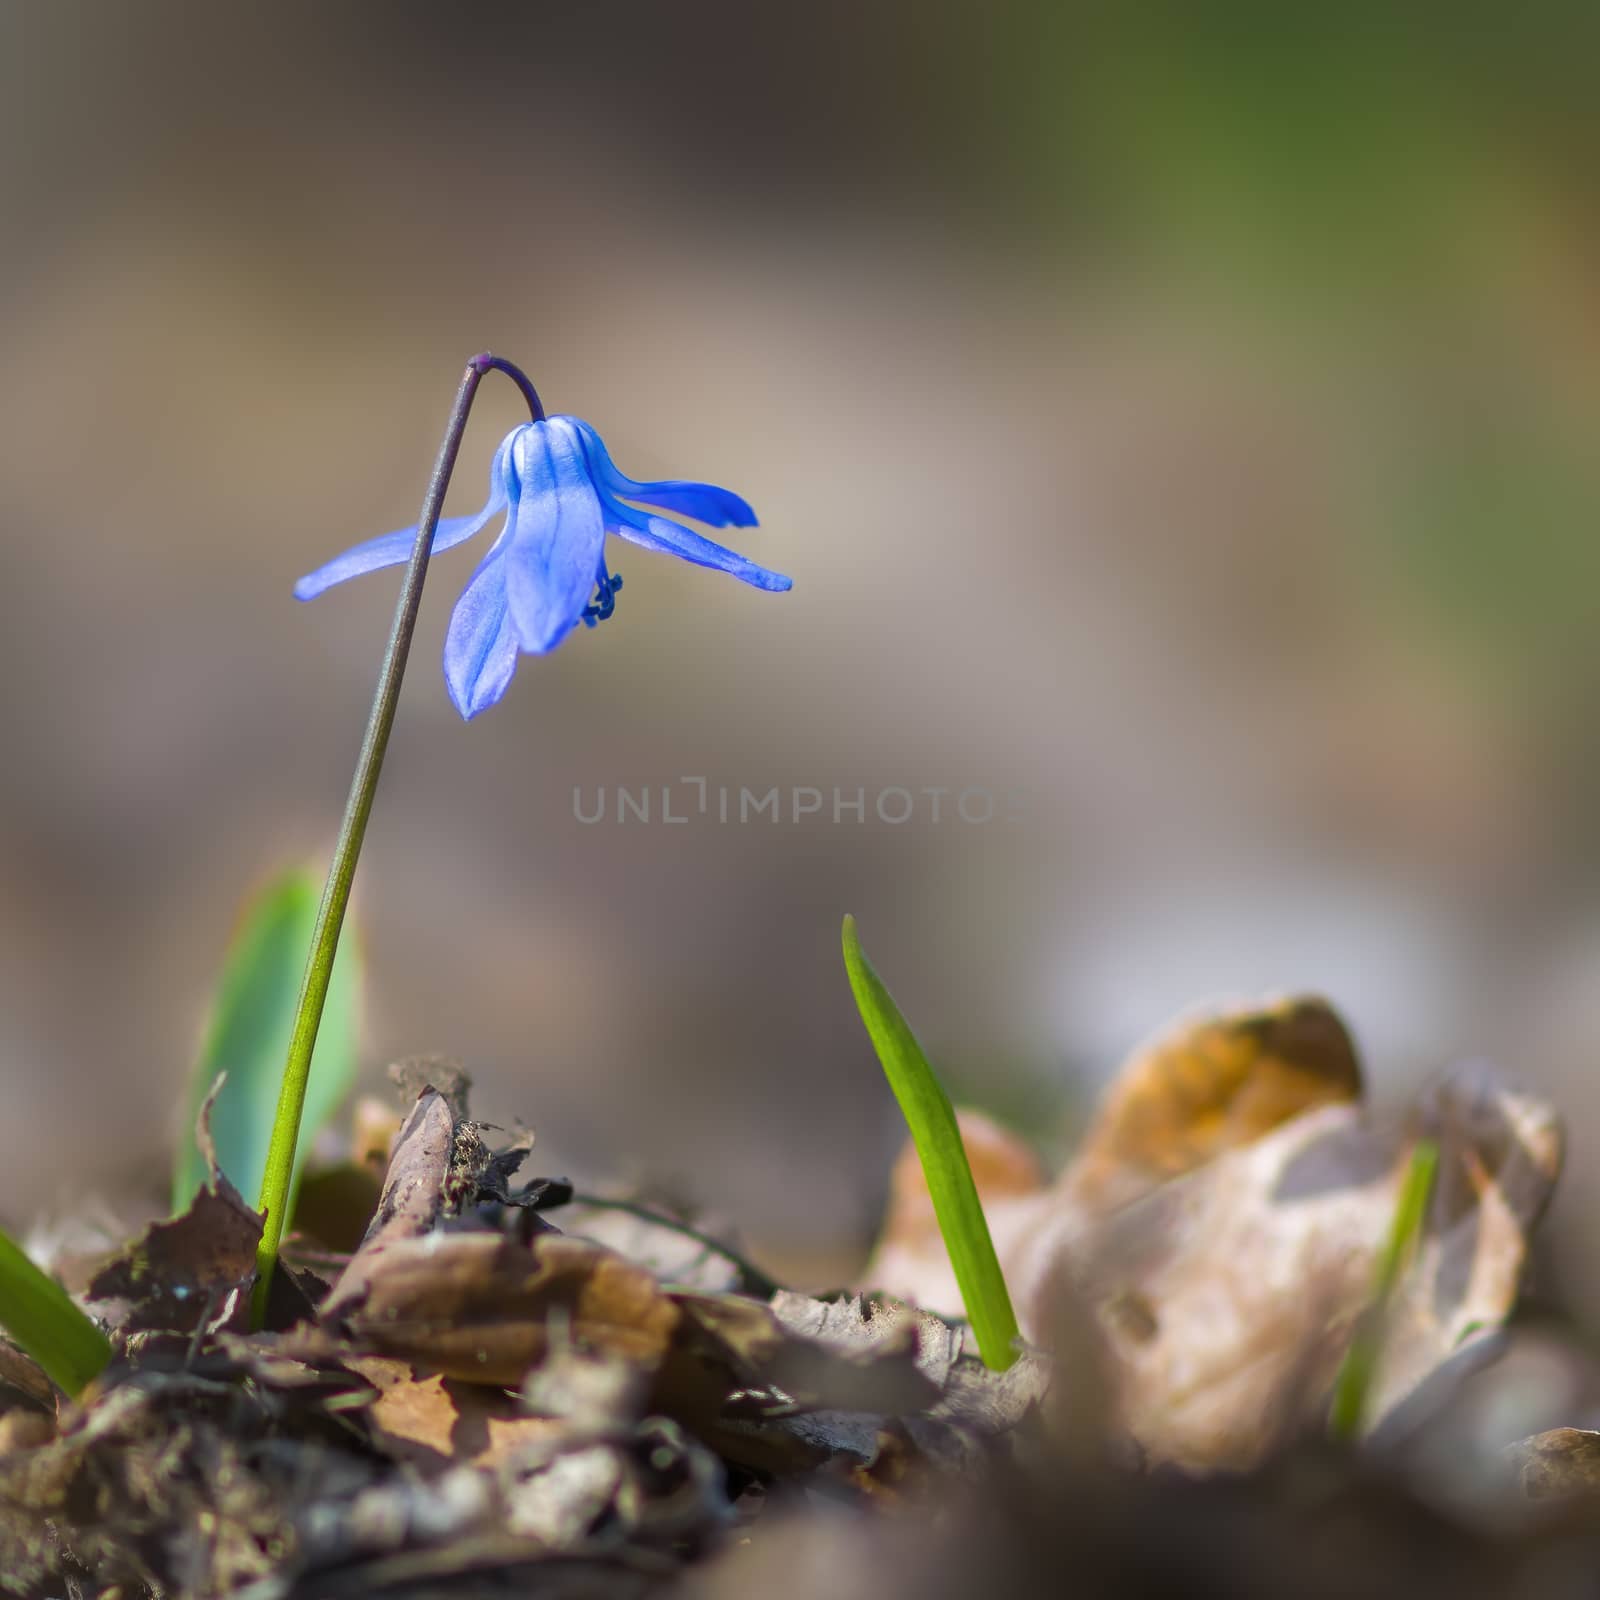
{"x":247,"y":1040}
{"x":1405,"y":203}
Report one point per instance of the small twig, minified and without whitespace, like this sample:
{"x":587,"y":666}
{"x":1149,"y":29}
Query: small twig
{"x":197,"y":1339}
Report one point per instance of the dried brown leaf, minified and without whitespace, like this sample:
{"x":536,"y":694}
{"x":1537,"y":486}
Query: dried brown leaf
{"x":1224,"y":1220}
{"x":191,"y":1268}
{"x":1500,"y":1154}
{"x":414,"y":1187}
{"x":867,"y":1333}
{"x":1209,"y":1084}
{"x":187,"y":1269}
{"x":433,"y":1421}
{"x":1557,"y":1465}
{"x":24,"y":1384}
{"x":808,"y":1384}
{"x":1227,"y":1299}
{"x":734,"y":1344}
{"x":479,"y":1306}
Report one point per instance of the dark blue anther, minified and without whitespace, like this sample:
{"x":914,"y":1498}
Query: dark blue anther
{"x":605,"y":600}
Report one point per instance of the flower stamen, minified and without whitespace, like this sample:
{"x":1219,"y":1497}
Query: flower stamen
{"x":605,"y":596}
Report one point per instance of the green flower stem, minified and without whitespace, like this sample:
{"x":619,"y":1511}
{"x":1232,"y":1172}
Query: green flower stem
{"x":1352,"y":1389}
{"x":41,"y":1316}
{"x":277,"y":1180}
{"x":934,"y":1131}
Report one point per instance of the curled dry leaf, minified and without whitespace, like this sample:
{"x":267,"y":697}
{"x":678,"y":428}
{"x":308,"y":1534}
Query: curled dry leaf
{"x":983,"y":1403}
{"x":24,"y":1384}
{"x":1223,"y":1225}
{"x":870,"y":1330}
{"x":844,"y":1355}
{"x":832,"y":1385}
{"x":480,"y":1306}
{"x":1560,"y":1464}
{"x":413,"y":1194}
{"x":1228,"y":1299}
{"x":1500,"y":1154}
{"x":1209,"y":1084}
{"x":192,"y":1268}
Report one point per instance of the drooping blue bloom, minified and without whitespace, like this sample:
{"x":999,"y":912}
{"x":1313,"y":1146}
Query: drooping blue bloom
{"x":561,"y":495}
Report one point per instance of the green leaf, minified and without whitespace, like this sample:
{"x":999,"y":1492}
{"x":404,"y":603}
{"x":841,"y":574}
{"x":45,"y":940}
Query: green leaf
{"x":1353,"y":1387}
{"x":41,"y":1316}
{"x":247,"y":1037}
{"x":932,"y":1121}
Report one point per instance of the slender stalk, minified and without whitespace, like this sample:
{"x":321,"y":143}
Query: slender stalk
{"x":937,"y":1137}
{"x":1352,"y":1389}
{"x":276,"y":1181}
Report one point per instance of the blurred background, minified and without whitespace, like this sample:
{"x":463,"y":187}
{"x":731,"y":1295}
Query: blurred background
{"x":1185,"y":436}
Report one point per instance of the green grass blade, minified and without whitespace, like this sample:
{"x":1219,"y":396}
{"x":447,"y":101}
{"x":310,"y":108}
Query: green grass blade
{"x":40,"y":1315}
{"x":1353,"y":1387}
{"x":932,"y":1121}
{"x":248,"y":1033}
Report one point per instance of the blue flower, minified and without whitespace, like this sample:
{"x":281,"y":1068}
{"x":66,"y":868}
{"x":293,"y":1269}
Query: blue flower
{"x":561,"y":495}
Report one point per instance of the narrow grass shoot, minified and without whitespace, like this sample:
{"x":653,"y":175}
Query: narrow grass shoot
{"x":937,"y":1137}
{"x":1352,"y":1389}
{"x":41,"y":1316}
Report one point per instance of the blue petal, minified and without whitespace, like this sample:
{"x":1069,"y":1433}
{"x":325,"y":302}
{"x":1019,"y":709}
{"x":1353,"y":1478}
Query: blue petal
{"x":480,"y":648}
{"x":658,"y":533}
{"x":392,"y":549}
{"x":705,"y":502}
{"x":557,"y":533}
